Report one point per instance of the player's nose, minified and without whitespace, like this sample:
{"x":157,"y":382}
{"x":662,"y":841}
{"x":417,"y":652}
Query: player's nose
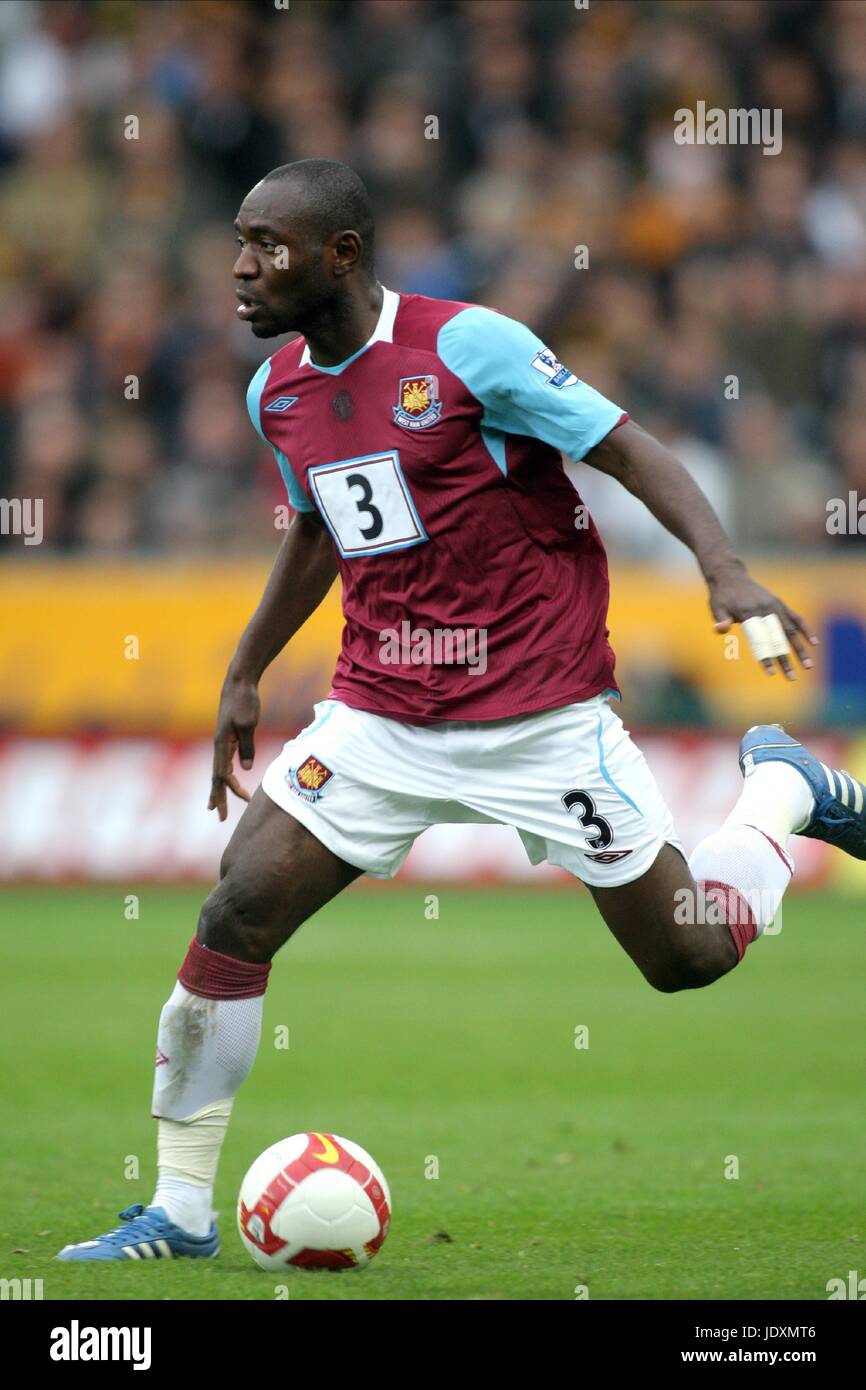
{"x":246,"y":266}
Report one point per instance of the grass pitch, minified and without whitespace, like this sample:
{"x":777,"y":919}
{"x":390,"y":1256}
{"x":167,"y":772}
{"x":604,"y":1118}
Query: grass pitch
{"x":451,"y":1042}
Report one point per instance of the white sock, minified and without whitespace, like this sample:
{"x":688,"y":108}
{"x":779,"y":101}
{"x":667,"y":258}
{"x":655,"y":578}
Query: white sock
{"x":189,"y":1207}
{"x":745,"y":866}
{"x":776,"y":799}
{"x":745,"y":874}
{"x":205,"y":1050}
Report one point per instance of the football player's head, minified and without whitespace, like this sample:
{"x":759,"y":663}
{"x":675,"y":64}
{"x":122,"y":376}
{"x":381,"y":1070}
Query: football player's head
{"x":306,"y":234}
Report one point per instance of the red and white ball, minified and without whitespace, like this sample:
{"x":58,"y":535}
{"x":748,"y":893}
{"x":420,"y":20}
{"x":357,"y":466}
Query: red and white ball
{"x":314,"y":1201}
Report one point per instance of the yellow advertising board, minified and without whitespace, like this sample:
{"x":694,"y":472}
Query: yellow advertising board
{"x":142,"y":647}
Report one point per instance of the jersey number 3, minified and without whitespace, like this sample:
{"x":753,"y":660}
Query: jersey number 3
{"x":366,"y":504}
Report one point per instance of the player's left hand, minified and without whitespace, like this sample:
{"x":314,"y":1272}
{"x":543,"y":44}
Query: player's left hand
{"x":736,"y":597}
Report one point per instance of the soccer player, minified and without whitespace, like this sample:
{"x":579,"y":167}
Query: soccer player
{"x":420,"y":443}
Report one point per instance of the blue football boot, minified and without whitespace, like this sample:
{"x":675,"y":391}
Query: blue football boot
{"x":147,"y":1234}
{"x":839,"y":813}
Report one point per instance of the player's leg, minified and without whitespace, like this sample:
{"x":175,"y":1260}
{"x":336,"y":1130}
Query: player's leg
{"x":588,"y":801}
{"x":349,"y":795}
{"x":274,"y":875}
{"x":685,"y":924}
{"x":737,"y":875}
{"x":582,"y":796}
{"x":674,"y":945}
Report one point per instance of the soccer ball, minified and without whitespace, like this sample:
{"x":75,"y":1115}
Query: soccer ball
{"x":314,"y":1201}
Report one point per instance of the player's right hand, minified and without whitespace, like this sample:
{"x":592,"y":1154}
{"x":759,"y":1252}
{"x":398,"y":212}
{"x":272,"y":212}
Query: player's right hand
{"x":237,"y":718}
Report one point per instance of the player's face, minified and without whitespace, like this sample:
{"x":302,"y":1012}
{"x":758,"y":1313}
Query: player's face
{"x":280,"y":274}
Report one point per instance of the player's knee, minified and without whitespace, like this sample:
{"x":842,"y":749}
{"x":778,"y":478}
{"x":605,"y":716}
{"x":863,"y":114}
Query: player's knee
{"x":691,"y":965}
{"x":235,"y":921}
{"x":670,"y":979}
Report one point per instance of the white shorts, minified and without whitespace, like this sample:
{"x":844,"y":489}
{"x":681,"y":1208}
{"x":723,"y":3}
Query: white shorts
{"x":570,"y":781}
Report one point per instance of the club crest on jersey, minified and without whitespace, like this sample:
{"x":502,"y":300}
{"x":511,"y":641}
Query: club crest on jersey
{"x":417,"y":405}
{"x":549,"y":366}
{"x":309,"y":779}
{"x":282,"y":403}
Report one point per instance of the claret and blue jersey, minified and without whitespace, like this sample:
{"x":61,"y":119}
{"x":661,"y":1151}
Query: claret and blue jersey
{"x":433,"y":457}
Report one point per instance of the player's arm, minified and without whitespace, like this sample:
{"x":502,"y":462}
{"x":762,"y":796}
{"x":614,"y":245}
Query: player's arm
{"x":525,"y":391}
{"x":305,"y":569}
{"x":649,"y":471}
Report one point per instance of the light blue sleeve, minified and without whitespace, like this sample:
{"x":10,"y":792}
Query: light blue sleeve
{"x":297,"y":497}
{"x":523,"y":388}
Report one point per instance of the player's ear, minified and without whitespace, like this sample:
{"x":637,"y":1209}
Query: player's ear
{"x":346,"y":249}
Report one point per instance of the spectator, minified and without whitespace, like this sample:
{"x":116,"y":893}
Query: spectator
{"x":498,"y":141}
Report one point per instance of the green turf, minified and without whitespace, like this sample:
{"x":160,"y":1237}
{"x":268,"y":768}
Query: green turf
{"x":455,"y":1038}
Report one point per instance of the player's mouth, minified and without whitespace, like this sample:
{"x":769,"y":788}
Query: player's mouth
{"x":247,"y":308}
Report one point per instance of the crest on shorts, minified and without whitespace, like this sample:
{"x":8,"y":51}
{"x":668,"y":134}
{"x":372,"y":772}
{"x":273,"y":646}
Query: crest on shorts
{"x":417,"y":404}
{"x":309,"y":779}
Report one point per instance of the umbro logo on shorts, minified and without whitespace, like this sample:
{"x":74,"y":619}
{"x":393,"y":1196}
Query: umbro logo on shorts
{"x":609,"y":856}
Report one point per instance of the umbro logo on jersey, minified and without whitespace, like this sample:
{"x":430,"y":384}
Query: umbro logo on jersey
{"x":549,"y":366}
{"x":282,"y":403}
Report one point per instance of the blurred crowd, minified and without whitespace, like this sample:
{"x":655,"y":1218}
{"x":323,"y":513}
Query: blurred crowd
{"x":723,"y":304}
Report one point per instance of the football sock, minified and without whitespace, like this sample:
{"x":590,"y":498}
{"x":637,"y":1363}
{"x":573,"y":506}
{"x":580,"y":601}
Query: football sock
{"x":208,"y":1037}
{"x":188,"y":1153}
{"x":776,"y":799}
{"x":744,"y":867}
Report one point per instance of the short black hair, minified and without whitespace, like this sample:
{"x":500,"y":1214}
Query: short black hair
{"x":336,"y":197}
